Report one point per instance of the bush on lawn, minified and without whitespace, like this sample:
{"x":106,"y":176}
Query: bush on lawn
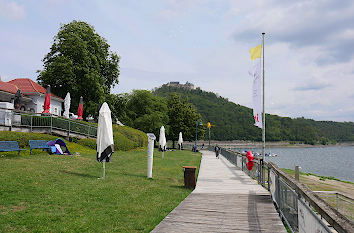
{"x":22,"y":138}
{"x":125,"y":138}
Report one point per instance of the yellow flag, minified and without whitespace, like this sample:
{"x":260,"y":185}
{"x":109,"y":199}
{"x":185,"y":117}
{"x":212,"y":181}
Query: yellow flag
{"x":256,"y":52}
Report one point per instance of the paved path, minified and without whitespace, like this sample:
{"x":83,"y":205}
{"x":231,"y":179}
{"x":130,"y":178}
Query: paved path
{"x":225,"y":200}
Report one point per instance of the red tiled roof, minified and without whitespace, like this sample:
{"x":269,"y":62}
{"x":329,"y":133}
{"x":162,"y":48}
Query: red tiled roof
{"x":8,"y":87}
{"x":29,"y":87}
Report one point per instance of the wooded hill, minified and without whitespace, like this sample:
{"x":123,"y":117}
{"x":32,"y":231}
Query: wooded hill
{"x":235,"y":122}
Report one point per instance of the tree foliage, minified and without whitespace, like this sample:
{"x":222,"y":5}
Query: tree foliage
{"x":81,"y":63}
{"x":235,"y":122}
{"x":146,"y":112}
{"x":182,"y":118}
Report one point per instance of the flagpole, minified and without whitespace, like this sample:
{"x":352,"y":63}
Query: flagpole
{"x":263,"y":121}
{"x":104,"y":168}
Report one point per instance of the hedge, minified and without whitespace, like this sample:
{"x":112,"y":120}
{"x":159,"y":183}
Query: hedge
{"x":22,"y":138}
{"x":124,"y":137}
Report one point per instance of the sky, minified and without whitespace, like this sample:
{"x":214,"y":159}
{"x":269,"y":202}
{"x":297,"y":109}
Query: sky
{"x":309,"y":47}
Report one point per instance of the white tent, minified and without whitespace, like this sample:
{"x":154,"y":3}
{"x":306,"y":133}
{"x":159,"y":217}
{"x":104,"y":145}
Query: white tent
{"x":67,"y":105}
{"x":162,"y":140}
{"x":180,"y":141}
{"x":105,"y":145}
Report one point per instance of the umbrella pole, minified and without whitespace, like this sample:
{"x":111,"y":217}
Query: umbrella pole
{"x":104,"y":168}
{"x":162,"y":153}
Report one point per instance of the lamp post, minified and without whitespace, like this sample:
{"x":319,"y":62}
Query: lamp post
{"x":209,"y":126}
{"x":196,"y":134}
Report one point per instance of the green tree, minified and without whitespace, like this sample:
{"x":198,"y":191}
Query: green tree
{"x":81,"y":63}
{"x":182,"y":118}
{"x":118,"y":105}
{"x":147,"y":112}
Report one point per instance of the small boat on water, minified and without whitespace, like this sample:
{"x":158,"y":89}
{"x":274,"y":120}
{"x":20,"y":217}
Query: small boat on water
{"x":256,"y":154}
{"x":270,"y":155}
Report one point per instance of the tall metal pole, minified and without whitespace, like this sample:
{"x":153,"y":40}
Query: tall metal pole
{"x":196,"y":134}
{"x":263,"y":121}
{"x":209,"y":136}
{"x":104,"y":169}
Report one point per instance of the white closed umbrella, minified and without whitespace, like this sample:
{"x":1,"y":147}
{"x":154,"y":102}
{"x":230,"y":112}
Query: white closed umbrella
{"x":105,"y":145}
{"x":180,"y":141}
{"x":162,"y":140}
{"x":67,"y":105}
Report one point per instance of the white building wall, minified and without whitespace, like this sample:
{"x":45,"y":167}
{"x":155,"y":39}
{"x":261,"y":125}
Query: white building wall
{"x":55,"y":107}
{"x":38,"y":103}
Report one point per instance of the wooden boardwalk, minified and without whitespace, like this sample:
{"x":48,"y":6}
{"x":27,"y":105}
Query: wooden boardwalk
{"x":225,"y":200}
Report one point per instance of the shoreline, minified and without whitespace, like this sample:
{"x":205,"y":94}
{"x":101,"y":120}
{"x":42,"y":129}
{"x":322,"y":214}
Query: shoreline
{"x":250,"y":144}
{"x":322,"y":183}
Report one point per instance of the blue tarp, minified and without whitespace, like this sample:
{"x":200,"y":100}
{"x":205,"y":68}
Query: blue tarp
{"x":62,"y":145}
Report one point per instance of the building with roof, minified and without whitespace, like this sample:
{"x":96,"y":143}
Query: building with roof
{"x":33,"y":95}
{"x":180,"y":85}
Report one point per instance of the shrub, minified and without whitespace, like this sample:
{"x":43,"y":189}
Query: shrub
{"x":22,"y":138}
{"x":125,"y":138}
{"x":88,"y":142}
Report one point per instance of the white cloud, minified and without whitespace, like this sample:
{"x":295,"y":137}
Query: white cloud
{"x":303,"y":23}
{"x":309,"y":44}
{"x":11,"y":10}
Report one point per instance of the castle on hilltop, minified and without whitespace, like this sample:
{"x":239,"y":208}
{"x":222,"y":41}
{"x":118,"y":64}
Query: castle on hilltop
{"x":177,"y":84}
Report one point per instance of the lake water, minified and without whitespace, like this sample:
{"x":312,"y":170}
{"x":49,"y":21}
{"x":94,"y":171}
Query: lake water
{"x":336,"y":161}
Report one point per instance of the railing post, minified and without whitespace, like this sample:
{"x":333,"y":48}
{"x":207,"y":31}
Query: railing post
{"x":31,"y":122}
{"x":260,"y":172}
{"x":69,"y":129}
{"x":277,"y":189}
{"x":88,"y":131}
{"x":51,"y":123}
{"x":263,"y":173}
{"x":297,"y":173}
{"x":268,"y":177}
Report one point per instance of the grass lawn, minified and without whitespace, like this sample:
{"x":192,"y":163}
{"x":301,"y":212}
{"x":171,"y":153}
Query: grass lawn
{"x":56,"y":193}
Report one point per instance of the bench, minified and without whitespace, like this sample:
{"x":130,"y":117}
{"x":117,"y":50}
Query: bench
{"x":6,"y":146}
{"x":38,"y":144}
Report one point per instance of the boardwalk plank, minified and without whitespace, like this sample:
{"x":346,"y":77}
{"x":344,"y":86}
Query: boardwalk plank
{"x":225,"y":200}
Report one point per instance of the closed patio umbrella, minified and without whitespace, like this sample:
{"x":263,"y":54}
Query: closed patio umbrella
{"x":105,"y":144}
{"x":81,"y":109}
{"x":67,"y":105}
{"x":180,"y":141}
{"x":46,"y":105}
{"x":162,"y":140}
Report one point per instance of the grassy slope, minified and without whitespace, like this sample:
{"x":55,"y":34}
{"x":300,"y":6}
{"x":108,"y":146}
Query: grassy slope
{"x":125,"y":138}
{"x":54,"y":193}
{"x":322,"y":183}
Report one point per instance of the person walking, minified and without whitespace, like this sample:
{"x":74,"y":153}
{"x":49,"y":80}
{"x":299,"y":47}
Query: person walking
{"x":217,"y":151}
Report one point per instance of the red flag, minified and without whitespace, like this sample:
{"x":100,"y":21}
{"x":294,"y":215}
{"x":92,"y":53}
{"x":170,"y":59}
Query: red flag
{"x":80,"y":109}
{"x":46,"y":105}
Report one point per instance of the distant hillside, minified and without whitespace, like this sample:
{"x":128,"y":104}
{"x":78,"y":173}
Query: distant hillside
{"x":235,"y":122}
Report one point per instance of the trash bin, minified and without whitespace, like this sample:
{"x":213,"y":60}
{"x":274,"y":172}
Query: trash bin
{"x":189,"y":177}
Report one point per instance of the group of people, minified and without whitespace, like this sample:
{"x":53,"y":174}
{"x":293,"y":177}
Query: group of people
{"x":217,"y":150}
